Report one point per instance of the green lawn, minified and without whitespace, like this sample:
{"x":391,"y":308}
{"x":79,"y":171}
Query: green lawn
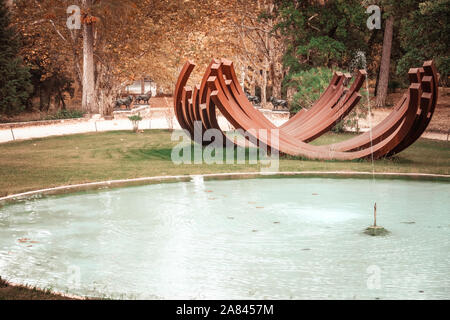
{"x":39,"y":163}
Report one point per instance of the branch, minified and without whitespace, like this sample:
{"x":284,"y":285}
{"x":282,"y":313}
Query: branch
{"x":53,"y":24}
{"x":254,"y":28}
{"x":57,"y":31}
{"x":309,"y":24}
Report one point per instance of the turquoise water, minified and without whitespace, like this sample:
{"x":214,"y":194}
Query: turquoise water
{"x":235,"y":239}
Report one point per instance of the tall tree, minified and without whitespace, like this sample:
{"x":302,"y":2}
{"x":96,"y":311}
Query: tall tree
{"x":425,"y":34}
{"x":15,"y":83}
{"x":383,"y":81}
{"x":131,"y":39}
{"x":263,"y":46}
{"x":89,"y":93}
{"x":321,"y":33}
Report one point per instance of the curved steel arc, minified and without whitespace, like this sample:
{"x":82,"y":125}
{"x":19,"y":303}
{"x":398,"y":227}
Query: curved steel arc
{"x":220,"y":88}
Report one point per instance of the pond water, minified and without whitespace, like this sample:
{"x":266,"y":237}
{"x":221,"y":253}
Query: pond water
{"x":296,"y":238}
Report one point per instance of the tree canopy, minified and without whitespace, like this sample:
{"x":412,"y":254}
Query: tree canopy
{"x":270,"y":41}
{"x":321,"y":34}
{"x":15,"y":82}
{"x":424,"y":35}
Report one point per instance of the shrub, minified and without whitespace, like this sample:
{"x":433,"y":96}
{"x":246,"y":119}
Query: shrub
{"x":309,"y":85}
{"x":65,"y":114}
{"x":135,"y":121}
{"x":393,"y":85}
{"x":339,"y":127}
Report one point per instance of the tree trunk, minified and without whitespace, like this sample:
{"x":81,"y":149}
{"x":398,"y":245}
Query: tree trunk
{"x":376,"y":84}
{"x":385,"y":63}
{"x":243,"y":74}
{"x":275,"y":50}
{"x":61,"y":99}
{"x":88,"y":100}
{"x":105,"y":89}
{"x":42,"y":96}
{"x":264,"y":86}
{"x":291,"y":91}
{"x":276,"y":81}
{"x":253,"y":84}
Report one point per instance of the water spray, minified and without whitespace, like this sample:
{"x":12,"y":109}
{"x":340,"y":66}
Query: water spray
{"x":373,"y":230}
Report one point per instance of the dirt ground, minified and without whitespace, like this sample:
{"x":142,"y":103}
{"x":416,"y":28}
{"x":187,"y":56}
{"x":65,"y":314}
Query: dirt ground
{"x":37,"y":115}
{"x":161,"y":102}
{"x":441,"y":118}
{"x":23,"y":117}
{"x":439,"y":127}
{"x":9,"y":292}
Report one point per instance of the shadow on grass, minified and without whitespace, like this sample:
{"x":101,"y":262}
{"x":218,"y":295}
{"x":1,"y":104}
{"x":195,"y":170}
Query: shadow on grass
{"x":165,"y":154}
{"x":247,"y":154}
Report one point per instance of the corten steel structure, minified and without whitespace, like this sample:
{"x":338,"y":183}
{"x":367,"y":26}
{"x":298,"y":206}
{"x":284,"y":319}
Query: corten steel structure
{"x":220,"y":89}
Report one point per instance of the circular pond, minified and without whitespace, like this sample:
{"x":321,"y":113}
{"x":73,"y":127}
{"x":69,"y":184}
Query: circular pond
{"x":297,"y":238}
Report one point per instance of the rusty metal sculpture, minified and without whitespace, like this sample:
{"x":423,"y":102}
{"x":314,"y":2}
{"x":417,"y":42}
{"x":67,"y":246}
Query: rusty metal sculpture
{"x":220,"y":90}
